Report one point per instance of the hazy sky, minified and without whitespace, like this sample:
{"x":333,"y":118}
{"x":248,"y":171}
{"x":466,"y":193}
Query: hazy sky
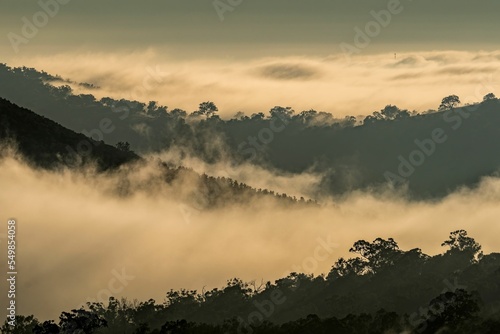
{"x":328,"y":55}
{"x":258,"y":27}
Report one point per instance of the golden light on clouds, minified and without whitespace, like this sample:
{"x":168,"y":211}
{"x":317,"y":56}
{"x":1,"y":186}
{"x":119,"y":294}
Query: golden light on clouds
{"x":76,"y":235}
{"x":359,"y":86}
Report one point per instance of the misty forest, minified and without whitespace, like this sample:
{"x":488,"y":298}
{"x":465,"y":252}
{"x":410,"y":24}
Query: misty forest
{"x":124,"y":152}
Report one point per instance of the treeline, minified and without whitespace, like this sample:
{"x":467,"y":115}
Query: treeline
{"x":430,"y":154}
{"x":148,"y":127}
{"x":46,"y":144}
{"x":382,"y":289}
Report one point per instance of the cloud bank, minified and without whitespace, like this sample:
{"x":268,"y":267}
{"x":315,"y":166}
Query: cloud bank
{"x":75,"y":234}
{"x":359,"y":86}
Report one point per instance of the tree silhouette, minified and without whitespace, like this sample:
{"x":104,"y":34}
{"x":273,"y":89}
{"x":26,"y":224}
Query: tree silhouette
{"x":381,"y":277}
{"x":449,"y":102}
{"x":459,"y":242}
{"x":47,"y":327}
{"x":374,"y":256}
{"x":308,"y":131}
{"x":451,"y":308}
{"x":207,"y":109}
{"x":378,"y":254}
{"x":349,"y":267}
{"x":489,"y":96}
{"x":258,"y":116}
{"x":390,"y":112}
{"x":23,"y":325}
{"x":123,"y":146}
{"x":81,"y":320}
{"x":178,"y":113}
{"x":283,"y":113}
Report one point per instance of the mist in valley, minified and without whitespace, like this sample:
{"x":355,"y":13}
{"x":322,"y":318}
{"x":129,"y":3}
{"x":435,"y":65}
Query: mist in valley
{"x":81,"y":239}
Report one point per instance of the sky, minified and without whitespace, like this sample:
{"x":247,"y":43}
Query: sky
{"x":195,"y":29}
{"x":343,"y":57}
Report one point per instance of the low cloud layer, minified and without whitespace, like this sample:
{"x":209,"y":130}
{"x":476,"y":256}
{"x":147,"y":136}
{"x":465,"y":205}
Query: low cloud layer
{"x":307,"y":184}
{"x":283,"y":71}
{"x":76,"y":235}
{"x":355,"y":86}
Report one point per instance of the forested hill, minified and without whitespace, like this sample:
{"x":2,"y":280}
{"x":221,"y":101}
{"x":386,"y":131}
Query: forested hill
{"x":381,"y":289}
{"x":46,"y":144}
{"x":432,"y":153}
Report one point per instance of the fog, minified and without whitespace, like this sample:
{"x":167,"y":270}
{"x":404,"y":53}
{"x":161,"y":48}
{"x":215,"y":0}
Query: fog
{"x":307,"y":184}
{"x":356,"y":85}
{"x":76,"y":232}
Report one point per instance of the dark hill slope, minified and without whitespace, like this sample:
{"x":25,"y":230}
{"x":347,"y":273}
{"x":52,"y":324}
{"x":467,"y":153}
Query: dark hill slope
{"x":434,"y":153}
{"x":364,"y":156}
{"x":48,"y":144}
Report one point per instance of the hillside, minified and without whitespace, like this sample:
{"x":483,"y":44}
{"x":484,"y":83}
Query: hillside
{"x":383,"y":289}
{"x":433,"y":154}
{"x":46,"y":144}
{"x":430,"y":153}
